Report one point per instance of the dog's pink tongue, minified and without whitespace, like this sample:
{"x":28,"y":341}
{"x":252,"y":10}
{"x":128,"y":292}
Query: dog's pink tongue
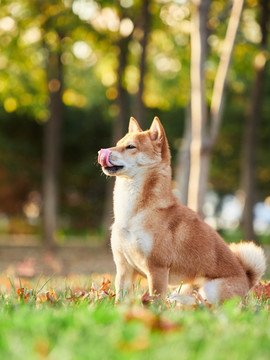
{"x":103,"y":158}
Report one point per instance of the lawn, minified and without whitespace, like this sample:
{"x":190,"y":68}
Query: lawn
{"x":76,"y":318}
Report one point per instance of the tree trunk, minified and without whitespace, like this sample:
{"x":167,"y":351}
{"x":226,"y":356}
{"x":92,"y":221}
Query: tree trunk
{"x":140,"y":108}
{"x":202,"y":143}
{"x":251,"y":131}
{"x":198,"y":105}
{"x":183,"y":161}
{"x":222,"y":71}
{"x":52,"y":141}
{"x":248,"y":166}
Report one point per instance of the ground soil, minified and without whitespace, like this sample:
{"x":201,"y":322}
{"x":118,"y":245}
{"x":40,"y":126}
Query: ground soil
{"x":34,"y":260}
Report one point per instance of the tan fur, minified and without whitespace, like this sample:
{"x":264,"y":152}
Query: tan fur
{"x":155,"y":235}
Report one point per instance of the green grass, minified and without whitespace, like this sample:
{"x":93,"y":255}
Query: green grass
{"x":87,"y":328}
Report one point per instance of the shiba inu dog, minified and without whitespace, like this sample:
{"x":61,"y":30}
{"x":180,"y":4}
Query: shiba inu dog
{"x":155,"y":235}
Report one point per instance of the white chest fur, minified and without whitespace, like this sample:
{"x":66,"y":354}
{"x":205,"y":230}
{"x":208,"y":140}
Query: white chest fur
{"x":129,"y":236}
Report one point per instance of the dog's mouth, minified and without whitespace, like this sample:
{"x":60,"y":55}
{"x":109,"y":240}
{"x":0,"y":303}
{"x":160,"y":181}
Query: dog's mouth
{"x":113,"y":169}
{"x":106,"y":163}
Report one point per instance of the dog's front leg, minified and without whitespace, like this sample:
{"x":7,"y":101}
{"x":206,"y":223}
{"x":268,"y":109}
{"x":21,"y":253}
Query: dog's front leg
{"x":158,"y":281}
{"x":124,"y":277}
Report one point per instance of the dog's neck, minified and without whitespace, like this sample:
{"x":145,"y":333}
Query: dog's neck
{"x":147,"y":190}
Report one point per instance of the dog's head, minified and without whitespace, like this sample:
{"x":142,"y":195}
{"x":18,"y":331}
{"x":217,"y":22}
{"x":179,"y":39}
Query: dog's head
{"x":136,"y":151}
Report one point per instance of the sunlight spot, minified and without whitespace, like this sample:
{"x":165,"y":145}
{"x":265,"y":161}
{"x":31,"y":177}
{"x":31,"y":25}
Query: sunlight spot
{"x":126,"y":3}
{"x":15,"y":9}
{"x":85,"y":9}
{"x":72,"y":98}
{"x":126,"y":27}
{"x":81,"y":50}
{"x":31,"y":36}
{"x":112,"y":93}
{"x":165,"y":64}
{"x":111,"y":18}
{"x":251,"y":29}
{"x":106,"y":19}
{"x":172,"y":14}
{"x":108,"y":78}
{"x":7,"y":23}
{"x":260,"y":60}
{"x":10,"y":104}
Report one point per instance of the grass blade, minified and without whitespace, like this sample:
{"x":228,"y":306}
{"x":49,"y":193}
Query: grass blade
{"x":12,"y":285}
{"x":46,"y":282}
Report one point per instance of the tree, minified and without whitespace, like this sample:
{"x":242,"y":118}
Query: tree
{"x":198,"y":159}
{"x":59,"y":24}
{"x":52,"y":148}
{"x":183,"y":160}
{"x":40,"y":76}
{"x":248,"y":180}
{"x":202,"y":142}
{"x":145,"y":27}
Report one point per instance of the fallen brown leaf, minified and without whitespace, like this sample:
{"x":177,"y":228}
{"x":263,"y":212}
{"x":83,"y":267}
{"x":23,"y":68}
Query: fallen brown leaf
{"x":48,"y":296}
{"x":262,"y":290}
{"x":148,"y":299}
{"x":23,"y":294}
{"x":51,"y":295}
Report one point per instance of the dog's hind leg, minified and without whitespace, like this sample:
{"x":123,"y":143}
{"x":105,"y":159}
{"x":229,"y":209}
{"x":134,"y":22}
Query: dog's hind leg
{"x":220,"y":289}
{"x":158,"y":281}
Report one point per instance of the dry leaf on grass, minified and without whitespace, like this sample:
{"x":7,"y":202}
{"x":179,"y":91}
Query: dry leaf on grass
{"x":23,"y":294}
{"x":148,"y":299}
{"x":96,"y":293}
{"x":48,"y":296}
{"x":262,"y":290}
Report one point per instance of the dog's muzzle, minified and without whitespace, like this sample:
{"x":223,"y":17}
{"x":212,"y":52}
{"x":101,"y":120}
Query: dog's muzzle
{"x":103,"y":158}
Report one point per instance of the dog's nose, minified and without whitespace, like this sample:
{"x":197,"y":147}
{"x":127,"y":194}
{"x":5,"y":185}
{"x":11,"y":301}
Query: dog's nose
{"x":103,"y":158}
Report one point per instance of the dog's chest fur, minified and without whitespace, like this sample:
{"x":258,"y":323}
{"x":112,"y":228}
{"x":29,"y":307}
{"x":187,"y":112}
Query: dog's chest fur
{"x":129,"y":235}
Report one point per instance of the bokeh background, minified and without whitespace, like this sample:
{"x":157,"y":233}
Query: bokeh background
{"x":71,"y":75}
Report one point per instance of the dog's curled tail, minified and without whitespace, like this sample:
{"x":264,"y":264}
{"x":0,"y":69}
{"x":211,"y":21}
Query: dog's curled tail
{"x":252,"y":259}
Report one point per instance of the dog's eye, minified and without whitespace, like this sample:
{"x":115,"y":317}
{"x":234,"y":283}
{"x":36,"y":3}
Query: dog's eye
{"x":130,"y":147}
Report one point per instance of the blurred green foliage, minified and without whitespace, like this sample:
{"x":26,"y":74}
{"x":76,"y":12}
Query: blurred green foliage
{"x":77,"y":330}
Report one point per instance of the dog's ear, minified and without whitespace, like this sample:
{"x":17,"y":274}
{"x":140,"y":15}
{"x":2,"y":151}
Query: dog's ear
{"x":157,"y":132}
{"x":133,"y":125}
